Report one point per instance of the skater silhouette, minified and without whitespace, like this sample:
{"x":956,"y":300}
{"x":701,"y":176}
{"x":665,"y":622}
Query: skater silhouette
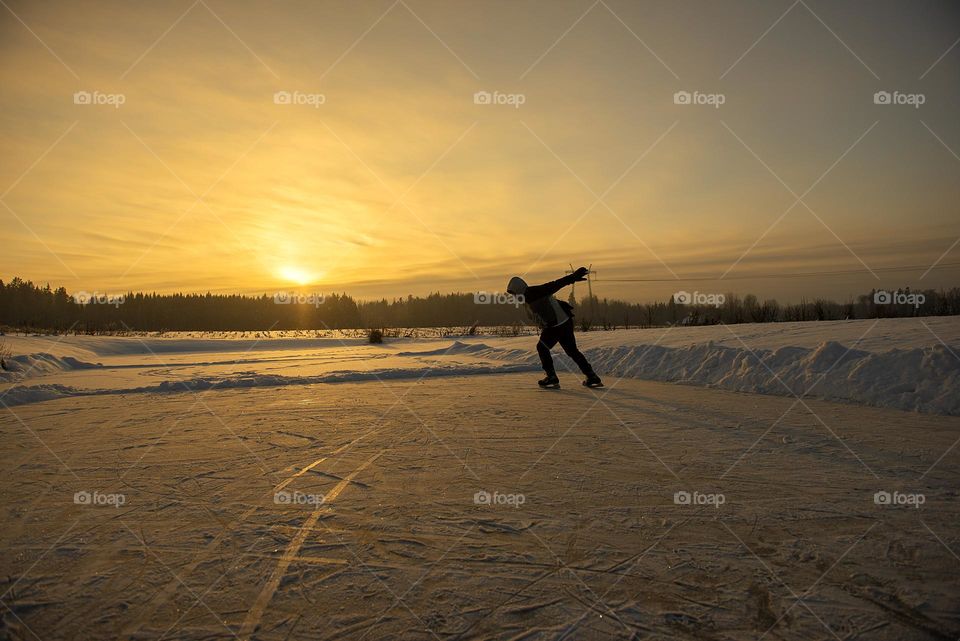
{"x":556,"y":320}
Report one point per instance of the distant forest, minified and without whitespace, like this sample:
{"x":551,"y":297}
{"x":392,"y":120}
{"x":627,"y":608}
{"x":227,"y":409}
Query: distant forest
{"x":28,"y":307}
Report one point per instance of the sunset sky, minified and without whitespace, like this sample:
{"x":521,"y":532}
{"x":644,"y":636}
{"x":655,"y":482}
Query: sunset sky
{"x":388,"y":179}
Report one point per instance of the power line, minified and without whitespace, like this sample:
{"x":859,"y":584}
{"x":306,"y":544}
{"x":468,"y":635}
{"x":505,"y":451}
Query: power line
{"x":911,"y":268}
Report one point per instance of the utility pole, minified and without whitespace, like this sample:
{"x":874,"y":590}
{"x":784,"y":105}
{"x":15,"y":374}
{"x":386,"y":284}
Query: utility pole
{"x":593,"y":305}
{"x":590,"y":274}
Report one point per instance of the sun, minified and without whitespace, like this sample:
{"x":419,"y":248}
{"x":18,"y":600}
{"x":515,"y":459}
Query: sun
{"x":296,"y":275}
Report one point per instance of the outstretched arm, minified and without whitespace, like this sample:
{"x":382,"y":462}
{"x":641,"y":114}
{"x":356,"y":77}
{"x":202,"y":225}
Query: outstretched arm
{"x":539,"y":291}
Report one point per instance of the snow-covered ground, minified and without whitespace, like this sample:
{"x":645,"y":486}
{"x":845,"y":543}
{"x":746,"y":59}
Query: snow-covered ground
{"x":224,"y":488}
{"x":909,"y":364}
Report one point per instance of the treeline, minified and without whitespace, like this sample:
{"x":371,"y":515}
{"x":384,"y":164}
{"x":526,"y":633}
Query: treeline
{"x":734,"y":309}
{"x":25,"y":306}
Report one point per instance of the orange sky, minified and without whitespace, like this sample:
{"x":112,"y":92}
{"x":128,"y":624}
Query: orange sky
{"x":382,"y":175}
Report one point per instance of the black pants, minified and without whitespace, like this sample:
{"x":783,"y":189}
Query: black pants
{"x":562,"y":334}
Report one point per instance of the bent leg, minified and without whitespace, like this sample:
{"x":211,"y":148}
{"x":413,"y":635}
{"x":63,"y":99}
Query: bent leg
{"x":548,"y":339}
{"x":569,"y":344}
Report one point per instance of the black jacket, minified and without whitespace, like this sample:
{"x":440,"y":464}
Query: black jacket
{"x":540,"y":301}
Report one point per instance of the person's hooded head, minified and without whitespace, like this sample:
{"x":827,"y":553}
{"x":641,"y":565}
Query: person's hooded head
{"x":517,"y":286}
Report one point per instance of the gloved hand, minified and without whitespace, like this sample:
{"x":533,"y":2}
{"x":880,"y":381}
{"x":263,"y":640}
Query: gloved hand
{"x":581,"y":274}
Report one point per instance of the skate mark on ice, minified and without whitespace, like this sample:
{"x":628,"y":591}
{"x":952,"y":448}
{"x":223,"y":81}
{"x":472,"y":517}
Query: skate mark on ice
{"x":207,"y":551}
{"x":293,"y":548}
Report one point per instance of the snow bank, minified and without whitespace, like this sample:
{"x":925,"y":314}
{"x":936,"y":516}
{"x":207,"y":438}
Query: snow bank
{"x":896,"y":363}
{"x":923,"y":379}
{"x":457,"y":347}
{"x":26,"y":365}
{"x":919,"y":379}
{"x":23,"y":394}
